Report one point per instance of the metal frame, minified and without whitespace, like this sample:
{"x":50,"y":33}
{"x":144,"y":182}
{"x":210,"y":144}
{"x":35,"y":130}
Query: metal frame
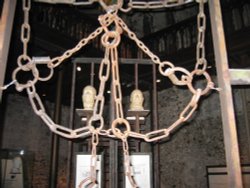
{"x":6,"y":22}
{"x":226,"y":101}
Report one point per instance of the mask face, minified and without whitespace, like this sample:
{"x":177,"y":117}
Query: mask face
{"x":88,"y":97}
{"x":136,"y":99}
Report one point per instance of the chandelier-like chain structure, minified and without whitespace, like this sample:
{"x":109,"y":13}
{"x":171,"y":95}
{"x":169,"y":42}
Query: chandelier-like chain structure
{"x":110,"y":39}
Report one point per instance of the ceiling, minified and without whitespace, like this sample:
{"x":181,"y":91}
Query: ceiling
{"x":57,"y":27}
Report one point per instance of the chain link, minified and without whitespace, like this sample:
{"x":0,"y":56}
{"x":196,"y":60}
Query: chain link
{"x":201,"y":62}
{"x":117,"y":94}
{"x":156,"y":135}
{"x":191,"y":107}
{"x":25,"y":29}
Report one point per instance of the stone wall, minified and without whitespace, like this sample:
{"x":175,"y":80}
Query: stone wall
{"x":197,"y":144}
{"x":22,"y":129}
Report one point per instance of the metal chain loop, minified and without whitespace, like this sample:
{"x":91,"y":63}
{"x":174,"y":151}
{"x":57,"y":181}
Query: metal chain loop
{"x":19,"y":86}
{"x":208,"y":87}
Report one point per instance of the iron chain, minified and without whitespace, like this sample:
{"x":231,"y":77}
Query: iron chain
{"x":110,"y":40}
{"x":201,"y":62}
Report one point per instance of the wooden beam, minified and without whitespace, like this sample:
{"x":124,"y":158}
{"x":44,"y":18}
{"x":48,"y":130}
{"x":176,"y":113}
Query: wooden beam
{"x":227,"y":108}
{"x":6,"y":23}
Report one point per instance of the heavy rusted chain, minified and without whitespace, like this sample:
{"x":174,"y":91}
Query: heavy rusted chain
{"x":111,"y":59}
{"x":110,"y":40}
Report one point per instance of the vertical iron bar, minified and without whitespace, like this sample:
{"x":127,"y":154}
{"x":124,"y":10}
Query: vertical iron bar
{"x":113,"y":159}
{"x":136,"y":76}
{"x":156,"y":149}
{"x":246,"y":117}
{"x":137,"y":120}
{"x":92,"y":74}
{"x":55,"y":138}
{"x":71,"y":125}
{"x":227,"y":108}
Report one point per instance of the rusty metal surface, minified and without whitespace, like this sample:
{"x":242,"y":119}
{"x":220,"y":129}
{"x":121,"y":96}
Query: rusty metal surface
{"x":227,"y":108}
{"x":55,"y":138}
{"x":155,"y":123}
{"x":71,"y":125}
{"x":6,"y":22}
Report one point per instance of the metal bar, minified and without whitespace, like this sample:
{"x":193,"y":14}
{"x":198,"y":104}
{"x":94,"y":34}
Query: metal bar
{"x":55,"y":137}
{"x":113,"y":150}
{"x":71,"y":126}
{"x":92,"y":74}
{"x":136,"y":76}
{"x":121,"y":60}
{"x":155,"y":123}
{"x":227,"y":108}
{"x":140,"y":57}
{"x":239,"y":76}
{"x":6,"y":24}
{"x":245,"y":104}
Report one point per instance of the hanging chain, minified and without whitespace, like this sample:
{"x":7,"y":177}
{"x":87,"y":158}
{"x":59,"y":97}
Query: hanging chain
{"x":95,"y":141}
{"x":127,"y":166}
{"x":110,"y":40}
{"x":117,"y":94}
{"x":166,"y":68}
{"x":91,"y":180}
{"x":25,"y":31}
{"x":201,"y":62}
{"x":104,"y":73}
{"x":24,"y":60}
